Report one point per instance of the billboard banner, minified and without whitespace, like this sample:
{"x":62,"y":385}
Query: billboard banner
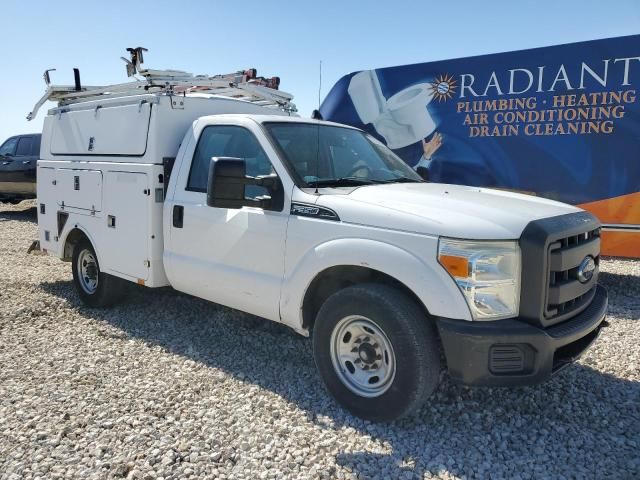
{"x":561,"y":122}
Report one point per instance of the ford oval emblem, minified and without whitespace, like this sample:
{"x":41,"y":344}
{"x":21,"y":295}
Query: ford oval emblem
{"x":586,"y":269}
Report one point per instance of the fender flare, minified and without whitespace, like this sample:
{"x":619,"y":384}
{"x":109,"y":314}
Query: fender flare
{"x":431,"y":284}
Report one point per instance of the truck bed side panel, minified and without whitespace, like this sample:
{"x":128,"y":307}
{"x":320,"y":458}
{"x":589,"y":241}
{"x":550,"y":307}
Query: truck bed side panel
{"x":126,"y":231}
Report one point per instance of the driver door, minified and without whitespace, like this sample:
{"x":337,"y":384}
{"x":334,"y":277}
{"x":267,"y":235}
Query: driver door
{"x":234,"y":257}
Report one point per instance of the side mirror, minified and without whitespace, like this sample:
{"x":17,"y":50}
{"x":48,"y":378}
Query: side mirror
{"x":228,"y":179}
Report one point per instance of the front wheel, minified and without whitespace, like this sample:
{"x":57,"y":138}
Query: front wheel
{"x":96,"y":289}
{"x":375,"y":350}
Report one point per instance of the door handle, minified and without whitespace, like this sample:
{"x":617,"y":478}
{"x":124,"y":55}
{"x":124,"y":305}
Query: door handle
{"x":26,"y":162}
{"x":6,"y":163}
{"x":178,"y":216}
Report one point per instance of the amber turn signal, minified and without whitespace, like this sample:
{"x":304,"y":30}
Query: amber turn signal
{"x":456,"y":266}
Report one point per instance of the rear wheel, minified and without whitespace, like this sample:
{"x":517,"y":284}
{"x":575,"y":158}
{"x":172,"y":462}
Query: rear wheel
{"x":96,"y":289}
{"x":376,"y":352}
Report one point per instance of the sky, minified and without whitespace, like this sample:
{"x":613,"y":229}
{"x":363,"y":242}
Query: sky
{"x":280,"y":38}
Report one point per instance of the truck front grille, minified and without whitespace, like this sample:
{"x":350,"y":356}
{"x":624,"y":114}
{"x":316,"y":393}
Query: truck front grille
{"x":567,"y":295}
{"x":552,"y":250}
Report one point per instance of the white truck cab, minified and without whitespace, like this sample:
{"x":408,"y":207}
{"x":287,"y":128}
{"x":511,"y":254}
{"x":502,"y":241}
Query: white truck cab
{"x":322,"y":228}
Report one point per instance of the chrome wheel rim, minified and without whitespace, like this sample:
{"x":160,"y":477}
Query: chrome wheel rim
{"x":88,"y":271}
{"x":362,"y":356}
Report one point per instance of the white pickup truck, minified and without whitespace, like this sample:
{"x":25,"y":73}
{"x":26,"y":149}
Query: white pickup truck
{"x":322,"y":228}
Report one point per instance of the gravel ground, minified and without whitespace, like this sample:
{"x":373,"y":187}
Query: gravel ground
{"x":168,"y":386}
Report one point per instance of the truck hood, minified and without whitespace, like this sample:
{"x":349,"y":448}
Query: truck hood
{"x":443,"y":210}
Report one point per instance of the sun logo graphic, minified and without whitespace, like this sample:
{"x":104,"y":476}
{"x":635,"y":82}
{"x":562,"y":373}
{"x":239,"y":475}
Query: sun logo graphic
{"x":443,"y":87}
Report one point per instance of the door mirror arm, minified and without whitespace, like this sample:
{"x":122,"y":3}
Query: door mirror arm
{"x":270,"y":182}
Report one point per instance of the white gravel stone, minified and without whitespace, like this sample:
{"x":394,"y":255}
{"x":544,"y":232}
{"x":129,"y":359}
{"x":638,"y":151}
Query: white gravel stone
{"x":167,"y":386}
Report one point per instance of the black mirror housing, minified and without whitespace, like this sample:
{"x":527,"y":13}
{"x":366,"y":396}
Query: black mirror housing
{"x":228,"y":179}
{"x":225,"y":186}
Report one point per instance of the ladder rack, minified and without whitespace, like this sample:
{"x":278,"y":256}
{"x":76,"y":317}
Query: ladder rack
{"x":242,"y":85}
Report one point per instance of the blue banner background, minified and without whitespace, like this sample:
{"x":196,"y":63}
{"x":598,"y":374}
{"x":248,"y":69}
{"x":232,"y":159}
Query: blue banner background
{"x":571,"y":168}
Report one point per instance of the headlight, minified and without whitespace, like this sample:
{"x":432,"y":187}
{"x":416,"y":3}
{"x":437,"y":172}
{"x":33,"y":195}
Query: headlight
{"x":488,"y":274}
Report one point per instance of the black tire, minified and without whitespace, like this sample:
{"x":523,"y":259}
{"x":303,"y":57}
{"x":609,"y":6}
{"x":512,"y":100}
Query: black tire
{"x":109,"y":291}
{"x":413,"y":339}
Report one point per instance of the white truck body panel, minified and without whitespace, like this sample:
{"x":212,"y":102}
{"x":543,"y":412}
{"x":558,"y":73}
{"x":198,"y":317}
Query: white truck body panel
{"x":80,"y":189}
{"x":244,"y":247}
{"x":314,"y":246}
{"x":127,"y":213}
{"x":439,"y":209}
{"x":132,"y":248}
{"x":83,"y":132}
{"x":139,"y":129}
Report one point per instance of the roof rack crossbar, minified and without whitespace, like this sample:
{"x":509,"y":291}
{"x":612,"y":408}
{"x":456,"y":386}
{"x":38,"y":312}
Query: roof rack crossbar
{"x":244,"y":85}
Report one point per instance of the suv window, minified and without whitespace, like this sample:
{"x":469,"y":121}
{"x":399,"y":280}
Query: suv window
{"x":9,"y":147}
{"x":25,"y":146}
{"x":35,"y":147}
{"x":228,"y":141}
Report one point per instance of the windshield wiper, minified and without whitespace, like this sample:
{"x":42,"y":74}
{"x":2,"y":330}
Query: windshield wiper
{"x":401,"y":180}
{"x":357,"y":181}
{"x":340,"y":182}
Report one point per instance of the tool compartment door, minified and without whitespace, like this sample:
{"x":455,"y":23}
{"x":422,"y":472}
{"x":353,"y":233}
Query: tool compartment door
{"x":79,"y":188}
{"x":116,"y":130}
{"x":127,"y":216}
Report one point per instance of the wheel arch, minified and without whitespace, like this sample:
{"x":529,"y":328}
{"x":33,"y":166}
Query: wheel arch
{"x":335,"y":278}
{"x":356,"y":258}
{"x":74,"y":236}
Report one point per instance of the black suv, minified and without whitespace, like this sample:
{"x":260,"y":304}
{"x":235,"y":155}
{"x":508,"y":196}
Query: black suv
{"x":18,"y":161}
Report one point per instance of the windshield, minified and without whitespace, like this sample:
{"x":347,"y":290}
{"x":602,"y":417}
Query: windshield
{"x":325,"y":155}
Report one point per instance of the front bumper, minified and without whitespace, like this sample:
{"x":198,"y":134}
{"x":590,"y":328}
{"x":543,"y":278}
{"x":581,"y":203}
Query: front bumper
{"x":514,"y":352}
